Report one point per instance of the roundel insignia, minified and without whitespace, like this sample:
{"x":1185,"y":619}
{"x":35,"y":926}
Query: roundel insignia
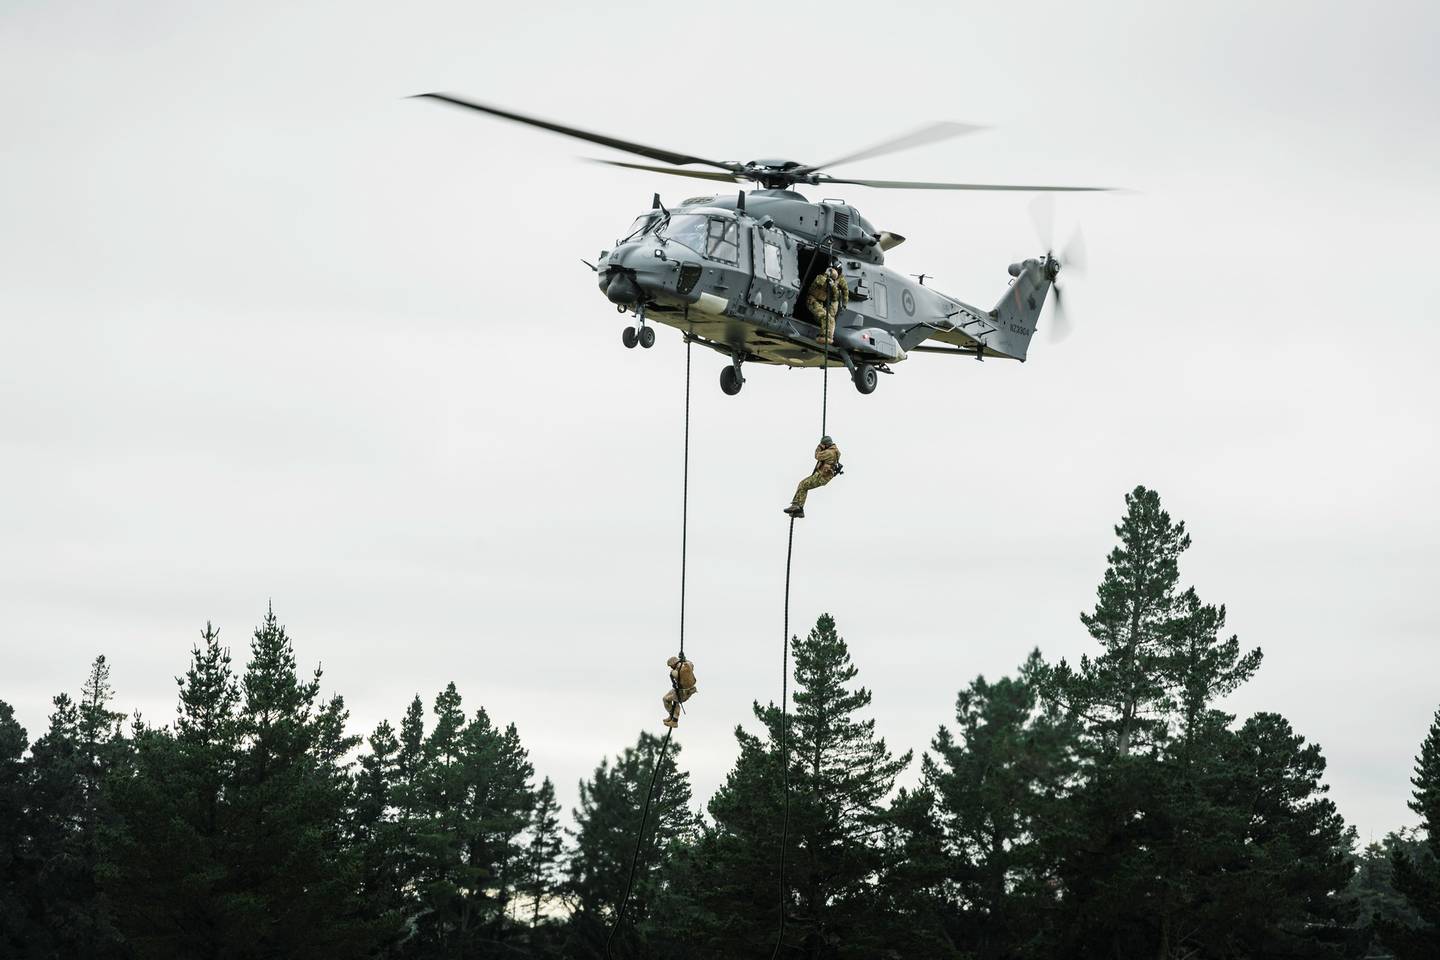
{"x":907,"y":300}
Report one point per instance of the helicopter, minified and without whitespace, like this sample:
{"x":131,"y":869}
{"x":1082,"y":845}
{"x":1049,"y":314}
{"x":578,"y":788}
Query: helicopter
{"x":731,"y":271}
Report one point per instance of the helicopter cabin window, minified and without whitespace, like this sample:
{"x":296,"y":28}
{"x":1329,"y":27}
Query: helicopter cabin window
{"x":880,"y":297}
{"x":723,"y":241}
{"x":772,"y":261}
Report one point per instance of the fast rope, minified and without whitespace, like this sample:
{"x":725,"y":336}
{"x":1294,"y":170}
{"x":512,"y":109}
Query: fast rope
{"x":659,"y":757}
{"x":685,"y":501}
{"x":784,"y":755}
{"x":824,"y":391}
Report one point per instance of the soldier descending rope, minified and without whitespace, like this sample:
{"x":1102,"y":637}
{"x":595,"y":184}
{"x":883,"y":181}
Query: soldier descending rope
{"x":827,"y":296}
{"x":682,"y":688}
{"x":827,"y":468}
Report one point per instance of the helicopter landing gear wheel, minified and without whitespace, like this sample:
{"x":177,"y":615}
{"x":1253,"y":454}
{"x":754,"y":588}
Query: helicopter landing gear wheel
{"x":629,"y":338}
{"x":866,"y":378}
{"x":647,"y":337}
{"x":731,"y":381}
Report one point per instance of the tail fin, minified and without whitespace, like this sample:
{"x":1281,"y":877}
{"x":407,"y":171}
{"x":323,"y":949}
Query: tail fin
{"x":1018,"y":311}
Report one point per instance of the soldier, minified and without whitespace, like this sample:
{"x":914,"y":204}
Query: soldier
{"x":827,"y":296}
{"x":827,"y":467}
{"x":682,"y":688}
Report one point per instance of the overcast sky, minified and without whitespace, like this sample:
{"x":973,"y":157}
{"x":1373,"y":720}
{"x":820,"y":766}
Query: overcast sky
{"x":270,"y":331}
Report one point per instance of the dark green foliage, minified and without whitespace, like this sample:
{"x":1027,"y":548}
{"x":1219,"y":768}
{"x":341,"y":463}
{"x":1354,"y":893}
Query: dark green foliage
{"x":294,"y":881}
{"x":231,"y":839}
{"x":475,"y":800}
{"x":166,"y":856}
{"x":604,"y":842}
{"x":378,"y":836}
{"x":999,"y":786}
{"x":15,"y":869}
{"x":540,"y":876}
{"x":66,"y":814}
{"x":839,"y":845}
{"x":1415,"y":873}
{"x":1184,"y":836}
{"x":1120,"y":692}
{"x":1109,"y":809}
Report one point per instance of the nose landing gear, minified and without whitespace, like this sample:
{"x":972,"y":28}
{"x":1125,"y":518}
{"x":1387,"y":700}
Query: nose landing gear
{"x":644,"y":336}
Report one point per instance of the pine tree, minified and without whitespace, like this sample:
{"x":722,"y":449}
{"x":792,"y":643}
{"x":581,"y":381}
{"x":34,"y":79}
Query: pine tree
{"x":15,"y":872}
{"x":917,"y":909}
{"x":1185,"y":837}
{"x":288,"y":800}
{"x":837,"y":855}
{"x":542,"y":852}
{"x":1198,"y":668}
{"x":1372,"y":889}
{"x":441,"y":872}
{"x":475,"y":793}
{"x":407,"y":797}
{"x":1188,"y":808}
{"x":1286,"y":858}
{"x":1121,"y":692}
{"x":166,"y":858}
{"x":603,"y":847}
{"x":376,"y":833}
{"x":67,"y":814}
{"x":998,"y":785}
{"x":1416,"y":877}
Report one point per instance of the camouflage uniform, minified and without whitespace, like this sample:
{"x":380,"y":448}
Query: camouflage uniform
{"x":682,"y":688}
{"x":827,"y":460}
{"x":827,"y":296}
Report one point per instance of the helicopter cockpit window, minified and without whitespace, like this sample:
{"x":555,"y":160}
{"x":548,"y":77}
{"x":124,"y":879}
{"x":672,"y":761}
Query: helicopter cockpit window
{"x":687,"y":229}
{"x":723,"y":241}
{"x":642,"y":225}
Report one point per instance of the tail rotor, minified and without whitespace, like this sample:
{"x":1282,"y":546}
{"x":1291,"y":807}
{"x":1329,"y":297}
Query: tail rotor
{"x":1071,"y":257}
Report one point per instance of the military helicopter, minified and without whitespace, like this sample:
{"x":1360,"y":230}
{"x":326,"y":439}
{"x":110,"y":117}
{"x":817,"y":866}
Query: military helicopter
{"x":731,"y":272}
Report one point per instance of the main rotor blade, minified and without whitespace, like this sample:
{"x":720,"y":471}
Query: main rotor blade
{"x":930,"y":133}
{"x":922,"y":185}
{"x":654,"y":153}
{"x":700,"y":174}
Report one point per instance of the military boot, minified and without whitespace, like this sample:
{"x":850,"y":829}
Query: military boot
{"x":795,"y":511}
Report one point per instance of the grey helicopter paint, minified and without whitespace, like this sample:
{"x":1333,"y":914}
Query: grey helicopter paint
{"x":731,"y":271}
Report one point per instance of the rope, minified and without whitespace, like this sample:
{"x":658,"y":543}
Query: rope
{"x":660,"y":759}
{"x":784,"y":755}
{"x":824,"y":392}
{"x":685,"y":501}
{"x":639,"y":842}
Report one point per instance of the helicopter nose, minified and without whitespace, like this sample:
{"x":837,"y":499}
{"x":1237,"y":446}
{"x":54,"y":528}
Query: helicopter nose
{"x":621,"y":288}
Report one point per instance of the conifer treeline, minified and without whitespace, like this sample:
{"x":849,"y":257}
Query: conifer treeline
{"x":1106,"y":808}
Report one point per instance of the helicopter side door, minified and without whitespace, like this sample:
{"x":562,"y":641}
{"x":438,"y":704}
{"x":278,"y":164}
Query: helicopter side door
{"x":776,"y":279}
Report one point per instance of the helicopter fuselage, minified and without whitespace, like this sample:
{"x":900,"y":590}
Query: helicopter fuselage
{"x":732,"y":271}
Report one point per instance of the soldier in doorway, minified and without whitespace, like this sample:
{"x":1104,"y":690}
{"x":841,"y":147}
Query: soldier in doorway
{"x":827,"y":296}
